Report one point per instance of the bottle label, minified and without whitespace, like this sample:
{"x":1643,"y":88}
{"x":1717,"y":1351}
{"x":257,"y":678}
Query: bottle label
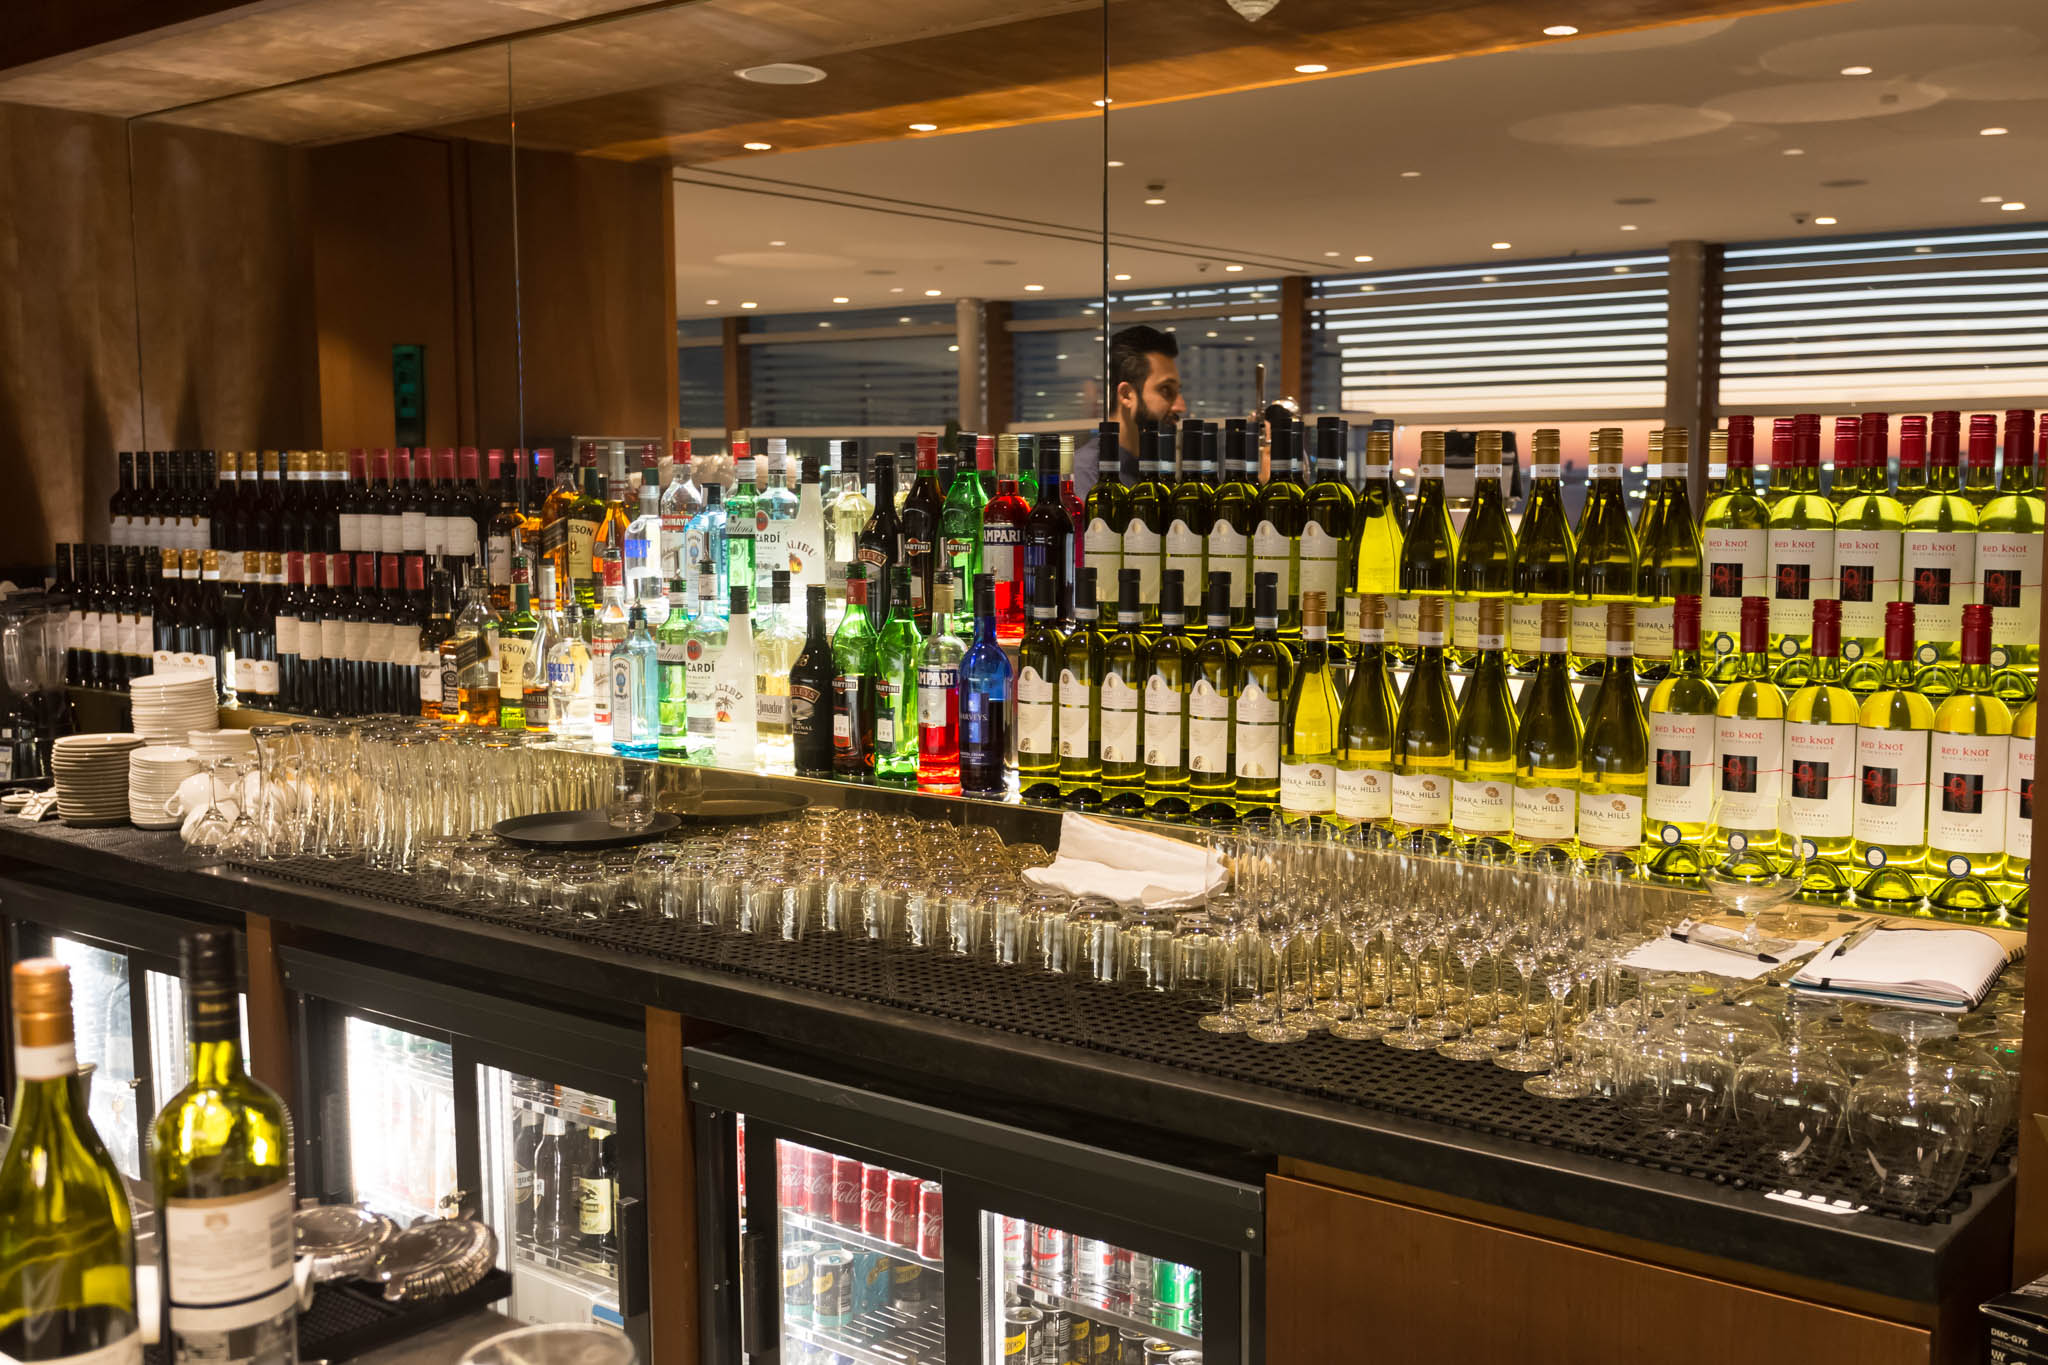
{"x":594,"y":1205}
{"x":1820,"y":779}
{"x":700,"y":721}
{"x":1546,"y":471}
{"x":935,"y":684}
{"x":1035,"y":712}
{"x":1273,"y":553}
{"x":1939,"y":572}
{"x":1606,"y":471}
{"x":1750,"y":762}
{"x":1430,"y":471}
{"x":887,"y":697}
{"x":1074,"y":717}
{"x":1465,"y":624}
{"x":1867,"y":575}
{"x":1119,"y":716}
{"x":1162,"y":724}
{"x":1258,"y":732}
{"x":1891,"y":787}
{"x":1141,"y":552}
{"x":1102,"y":550}
{"x":1321,"y":554}
{"x":1422,"y":800}
{"x":1966,"y":804}
{"x":1184,"y":552}
{"x":1000,"y":545}
{"x":1483,"y":807}
{"x":621,"y":685}
{"x":1589,"y":630}
{"x":1375,"y":472}
{"x":1482,"y":472}
{"x":229,"y":1257}
{"x":1228,"y":551}
{"x":771,"y":709}
{"x":287,"y":631}
{"x":582,"y":536}
{"x":460,"y":537}
{"x":1681,"y":786}
{"x":1802,"y":572}
{"x":1611,"y":820}
{"x":259,"y":679}
{"x":514,"y":658}
{"x":2019,"y":807}
{"x":1208,"y":729}
{"x":1525,"y":624}
{"x":2009,"y":582}
{"x":1365,"y":793}
{"x":1407,"y":615}
{"x":1309,"y":787}
{"x":1546,"y":814}
{"x":1653,"y":638}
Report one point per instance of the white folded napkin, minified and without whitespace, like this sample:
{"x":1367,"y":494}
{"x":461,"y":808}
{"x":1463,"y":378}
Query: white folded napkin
{"x":1128,"y":866}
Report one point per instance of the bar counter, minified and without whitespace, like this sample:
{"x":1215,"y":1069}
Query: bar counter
{"x":1862,"y":1273}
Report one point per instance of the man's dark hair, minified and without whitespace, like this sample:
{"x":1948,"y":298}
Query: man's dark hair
{"x":1130,"y":355}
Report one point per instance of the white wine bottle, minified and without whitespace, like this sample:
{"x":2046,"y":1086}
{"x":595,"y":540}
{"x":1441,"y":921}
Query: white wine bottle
{"x":1483,"y":741}
{"x":1080,"y":687}
{"x":1543,"y":552}
{"x":1604,"y":557}
{"x":1966,"y":791}
{"x":1735,"y":535}
{"x":1802,"y":534}
{"x":1039,"y":659}
{"x":2019,"y":809}
{"x":1265,"y":673}
{"x":1376,"y":564}
{"x":1820,"y":759}
{"x":1212,"y":695}
{"x":1365,"y":769}
{"x":1169,"y":666}
{"x":1423,"y":729}
{"x":1669,"y":559}
{"x":1891,"y":774}
{"x":1429,"y":549}
{"x":1939,"y":563}
{"x":1680,"y":799}
{"x":67,"y":1247}
{"x":1329,"y":518}
{"x":1869,"y":531}
{"x":1308,"y":737}
{"x":1749,"y":733}
{"x":221,"y":1149}
{"x":1547,"y":740}
{"x":1124,"y":666}
{"x":1486,"y":550}
{"x":1614,"y":757}
{"x":2010,"y":550}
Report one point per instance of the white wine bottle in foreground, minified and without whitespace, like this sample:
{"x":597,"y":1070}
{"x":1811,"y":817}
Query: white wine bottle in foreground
{"x":67,"y":1253}
{"x":222,"y":1154}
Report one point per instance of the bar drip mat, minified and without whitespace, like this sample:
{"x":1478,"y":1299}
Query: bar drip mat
{"x":1153,"y":1027}
{"x":350,"y":1318}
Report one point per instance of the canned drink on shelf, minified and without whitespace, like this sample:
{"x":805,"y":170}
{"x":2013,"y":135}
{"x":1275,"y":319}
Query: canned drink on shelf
{"x":1010,"y":1235}
{"x":1059,"y":1326}
{"x":931,"y":1210}
{"x":1102,"y":1345}
{"x":1136,"y":1272}
{"x":1173,"y":1286}
{"x":902,"y":1228}
{"x":832,"y":1288}
{"x":817,"y":1184}
{"x":1159,"y":1351}
{"x":1052,"y":1254}
{"x":870,"y":1281}
{"x":907,"y":1286}
{"x":1079,"y":1333}
{"x":1095,"y":1262}
{"x":1185,"y":1358}
{"x":1023,"y":1327}
{"x":846,"y":1192}
{"x":1130,"y":1346}
{"x":789,"y":1178}
{"x":874,"y":1201}
{"x":796,"y":1282}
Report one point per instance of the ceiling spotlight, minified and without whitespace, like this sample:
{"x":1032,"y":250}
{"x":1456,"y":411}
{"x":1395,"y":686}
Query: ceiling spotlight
{"x":778,"y":244}
{"x":1208,"y":334}
{"x":1233,"y":269}
{"x":781,"y":73}
{"x":1034,"y":289}
{"x":1991,"y":132}
{"x":1855,"y":71}
{"x":1123,"y":277}
{"x":924,"y":127}
{"x":2012,"y":206}
{"x":895,"y":288}
{"x":1102,"y":103}
{"x":1155,"y":200}
{"x":1793,"y":151}
{"x":1410,"y":175}
{"x":824,"y":324}
{"x":931,"y":293}
{"x":1502,"y":246}
{"x":1992,"y":199}
{"x":1361,"y":259}
{"x":1112,"y":163}
{"x":1333,"y":253}
{"x":711,"y":303}
{"x":903,"y":319}
{"x":1825,"y":221}
{"x":841,"y":298}
{"x":1560,"y":31}
{"x":759,"y":146}
{"x":953,"y":348}
{"x":1311,"y":68}
{"x":750,"y":304}
{"x":1628,"y":227}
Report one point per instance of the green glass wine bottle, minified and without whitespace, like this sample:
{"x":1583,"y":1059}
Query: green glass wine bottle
{"x":1604,"y":557}
{"x":1485,"y":568}
{"x":1544,"y":551}
{"x":1483,"y":741}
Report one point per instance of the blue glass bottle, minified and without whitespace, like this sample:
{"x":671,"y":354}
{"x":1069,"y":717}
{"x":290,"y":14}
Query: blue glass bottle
{"x":704,"y":538}
{"x":986,"y":684}
{"x":636,"y":689}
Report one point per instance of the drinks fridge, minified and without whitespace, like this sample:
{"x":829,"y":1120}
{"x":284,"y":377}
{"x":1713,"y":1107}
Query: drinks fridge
{"x":873,"y":1223}
{"x":432,"y":1097}
{"x":128,"y":1003}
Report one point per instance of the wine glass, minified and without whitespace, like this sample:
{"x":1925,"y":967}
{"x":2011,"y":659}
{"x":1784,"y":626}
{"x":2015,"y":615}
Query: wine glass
{"x":1673,"y":1084}
{"x":1470,"y":939}
{"x":1748,"y":866}
{"x":1230,"y":910}
{"x":1789,"y":1100}
{"x":1911,"y":1129}
{"x":1522,"y":944}
{"x":1560,"y":956}
{"x":211,"y":833}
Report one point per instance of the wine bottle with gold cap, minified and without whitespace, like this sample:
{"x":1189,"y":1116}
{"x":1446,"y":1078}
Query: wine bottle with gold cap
{"x":1892,"y":735}
{"x":1614,"y":756}
{"x":67,"y":1246}
{"x":1821,"y":723}
{"x":1365,"y":769}
{"x":1802,"y":537}
{"x":1429,"y":549}
{"x":1483,"y":741}
{"x":1669,"y":562}
{"x":1309,"y":731}
{"x":1376,"y":566}
{"x":1680,"y":798}
{"x":1542,"y":569}
{"x":1547,"y":740}
{"x":1604,"y":556}
{"x":1869,"y":528}
{"x":1735,"y":536}
{"x":1423,"y":729}
{"x":1486,"y":551}
{"x":1967,"y":777}
{"x":221,"y":1149}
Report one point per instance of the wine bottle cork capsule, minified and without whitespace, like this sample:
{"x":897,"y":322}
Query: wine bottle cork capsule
{"x":1312,"y":609}
{"x":42,"y":1002}
{"x":1556,"y":619}
{"x":1493,"y":616}
{"x":1429,"y":614}
{"x":1621,"y":621}
{"x":1372,"y":612}
{"x":1546,"y":445}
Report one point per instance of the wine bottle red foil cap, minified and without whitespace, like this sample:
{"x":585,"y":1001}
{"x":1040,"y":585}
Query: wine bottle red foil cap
{"x":1685,"y":621}
{"x":1784,"y":445}
{"x":366,"y":569}
{"x":678,"y":449}
{"x":1942,"y":443}
{"x":387,"y":574}
{"x":1848,"y":442}
{"x":469,"y":464}
{"x":415,"y":573}
{"x":1898,"y":631}
{"x":356,"y":464}
{"x":1756,"y":625}
{"x":1983,"y":439}
{"x":1827,"y":627}
{"x":1875,"y":431}
{"x":928,"y":450}
{"x":1912,"y":443}
{"x":1976,"y":642}
{"x":985,"y":452}
{"x":2019,"y":436}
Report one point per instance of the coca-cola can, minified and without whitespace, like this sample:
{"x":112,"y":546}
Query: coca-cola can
{"x":1013,"y":1231}
{"x":846,"y":1191}
{"x":817,"y":1183}
{"x":1052,"y":1254}
{"x":902,"y":1210}
{"x":1120,"y":1277}
{"x":930,"y":1211}
{"x":789,"y":1178}
{"x":874,"y":1201}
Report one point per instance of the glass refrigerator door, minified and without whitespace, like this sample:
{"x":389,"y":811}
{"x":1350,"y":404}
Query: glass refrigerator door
{"x":106,"y":1042}
{"x":401,"y":1119}
{"x":1051,"y":1298}
{"x":551,"y":1176}
{"x":170,"y":1061}
{"x":863,"y":1268}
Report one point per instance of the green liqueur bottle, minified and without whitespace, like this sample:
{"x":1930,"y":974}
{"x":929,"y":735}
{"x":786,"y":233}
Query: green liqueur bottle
{"x":897,"y":651}
{"x":854,"y":667}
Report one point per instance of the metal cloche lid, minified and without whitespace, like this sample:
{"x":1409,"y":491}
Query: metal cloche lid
{"x":435,"y":1258}
{"x":341,"y":1240}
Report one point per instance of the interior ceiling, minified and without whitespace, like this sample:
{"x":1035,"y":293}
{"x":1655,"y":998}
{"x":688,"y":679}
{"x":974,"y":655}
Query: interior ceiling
{"x":1725,"y":130}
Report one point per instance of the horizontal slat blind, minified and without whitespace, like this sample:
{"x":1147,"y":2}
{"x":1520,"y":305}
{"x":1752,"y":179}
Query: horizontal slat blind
{"x":1925,"y":317}
{"x":913,"y":382}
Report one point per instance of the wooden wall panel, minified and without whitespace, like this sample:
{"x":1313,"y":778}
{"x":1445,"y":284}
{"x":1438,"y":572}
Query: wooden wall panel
{"x":68,"y":395}
{"x":1350,"y":1277}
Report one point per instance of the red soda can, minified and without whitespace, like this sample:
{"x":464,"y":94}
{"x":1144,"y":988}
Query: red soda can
{"x":740,"y":1137}
{"x":817,"y":1183}
{"x":874,"y":1201}
{"x":930,"y":1208}
{"x":902,"y":1209}
{"x":789,"y":1178}
{"x":846,"y":1191}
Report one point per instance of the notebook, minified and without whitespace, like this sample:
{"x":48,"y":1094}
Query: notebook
{"x":1938,"y":969}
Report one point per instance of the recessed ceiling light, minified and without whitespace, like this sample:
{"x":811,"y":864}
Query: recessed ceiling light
{"x":824,"y":324}
{"x":953,"y":348}
{"x":1123,"y":277}
{"x":1825,"y":221}
{"x":1992,"y":199}
{"x":903,"y":319}
{"x":711,"y":303}
{"x":778,"y":244}
{"x":1410,"y":175}
{"x":924,"y":127}
{"x":1034,"y":289}
{"x":1502,"y":246}
{"x":1560,"y":31}
{"x":1333,"y":253}
{"x":1100,"y":103}
{"x":1361,"y":259}
{"x":841,"y":298}
{"x":1628,"y":227}
{"x":931,"y":293}
{"x":1155,"y":200}
{"x":1233,"y":269}
{"x":1793,"y":151}
{"x":1621,"y":270}
{"x":781,"y":73}
{"x":1855,"y":71}
{"x":759,"y":146}
{"x":896,"y":289}
{"x":1112,"y":163}
{"x":2012,"y":206}
{"x":1208,"y":334}
{"x":750,"y":304}
{"x":1311,"y":68}
{"x":1991,"y":132}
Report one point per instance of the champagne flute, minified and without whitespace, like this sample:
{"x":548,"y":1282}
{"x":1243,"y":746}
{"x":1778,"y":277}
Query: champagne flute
{"x":1746,"y":870}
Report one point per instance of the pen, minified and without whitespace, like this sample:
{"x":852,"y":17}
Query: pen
{"x":1726,"y":948}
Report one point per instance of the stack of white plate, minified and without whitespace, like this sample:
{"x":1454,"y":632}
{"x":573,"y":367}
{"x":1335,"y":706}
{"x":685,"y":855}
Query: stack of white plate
{"x":92,"y":777}
{"x":170,"y":703}
{"x":208,"y":745}
{"x":154,"y":773}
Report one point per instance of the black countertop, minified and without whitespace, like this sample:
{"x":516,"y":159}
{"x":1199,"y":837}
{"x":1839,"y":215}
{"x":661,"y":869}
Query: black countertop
{"x":1872,"y":1254}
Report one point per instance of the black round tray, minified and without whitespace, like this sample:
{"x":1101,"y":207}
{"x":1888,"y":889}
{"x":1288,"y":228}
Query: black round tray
{"x":736,"y":809}
{"x":579,"y":829}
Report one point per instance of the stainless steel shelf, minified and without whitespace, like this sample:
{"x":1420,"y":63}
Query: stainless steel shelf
{"x":883,"y":1336}
{"x":1130,"y":1311}
{"x":820,"y":1230}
